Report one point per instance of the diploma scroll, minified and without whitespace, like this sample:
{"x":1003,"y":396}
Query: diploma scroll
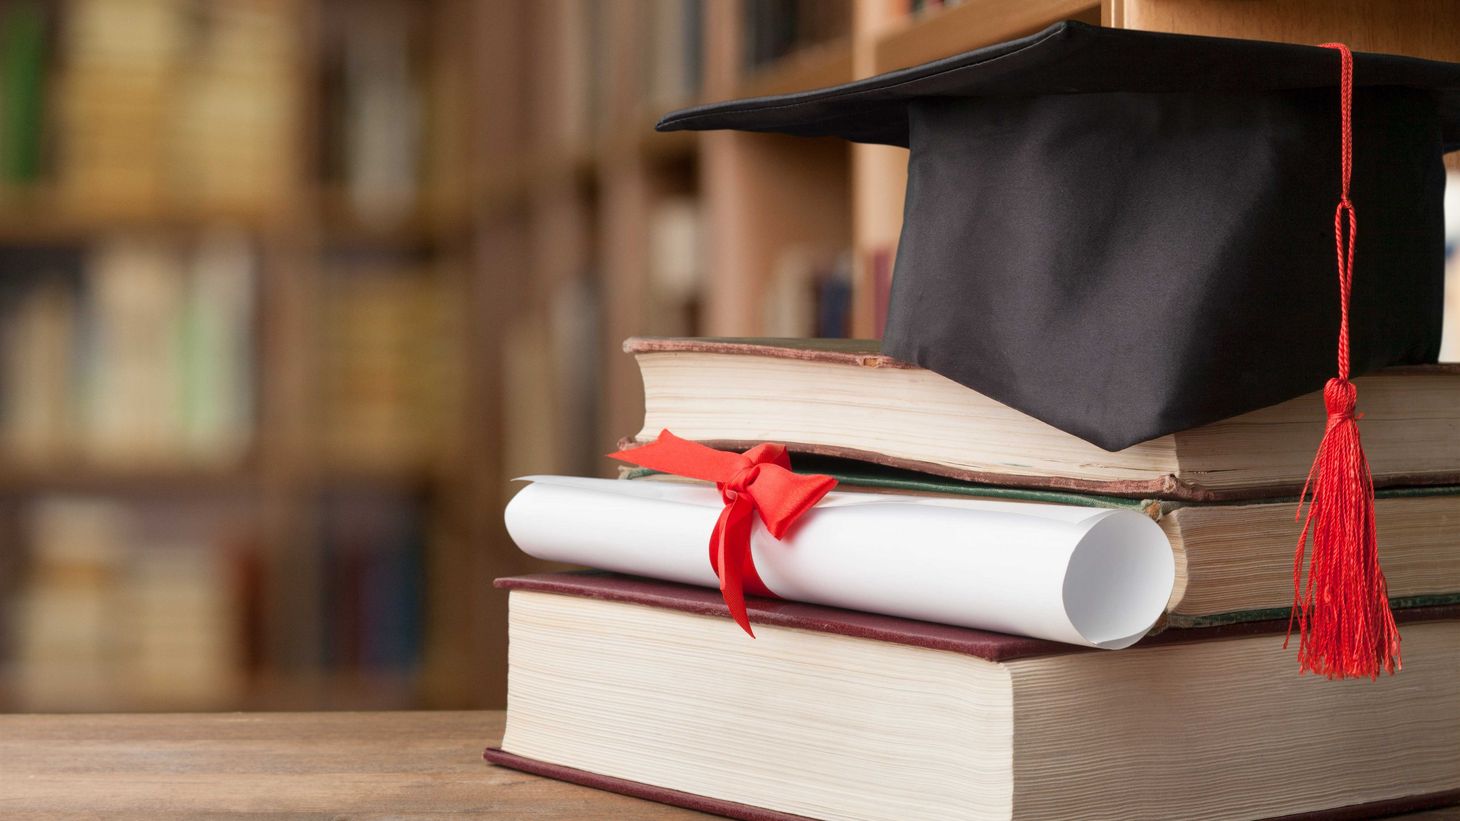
{"x":1086,"y":576}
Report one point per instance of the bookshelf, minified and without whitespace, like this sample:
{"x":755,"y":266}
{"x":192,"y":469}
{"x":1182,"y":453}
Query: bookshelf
{"x":439,"y":291}
{"x":972,"y":24}
{"x":195,"y":255}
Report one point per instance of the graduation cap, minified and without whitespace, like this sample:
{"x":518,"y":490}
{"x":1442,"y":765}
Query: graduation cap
{"x":1127,"y":234}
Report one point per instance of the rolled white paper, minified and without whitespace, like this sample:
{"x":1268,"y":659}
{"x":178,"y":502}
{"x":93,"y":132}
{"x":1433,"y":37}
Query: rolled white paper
{"x":1087,"y":576}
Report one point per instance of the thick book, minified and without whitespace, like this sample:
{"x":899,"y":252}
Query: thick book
{"x":843,"y":398}
{"x":1234,"y":561}
{"x":646,"y":688}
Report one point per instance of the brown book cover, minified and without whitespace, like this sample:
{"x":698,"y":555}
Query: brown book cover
{"x":864,"y":353}
{"x":986,"y":645}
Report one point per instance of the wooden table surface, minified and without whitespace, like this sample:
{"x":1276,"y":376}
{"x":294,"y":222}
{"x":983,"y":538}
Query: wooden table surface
{"x":288,"y":766}
{"x":282,"y":765}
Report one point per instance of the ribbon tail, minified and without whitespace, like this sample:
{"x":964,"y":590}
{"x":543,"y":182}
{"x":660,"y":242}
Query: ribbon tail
{"x":729,"y":552}
{"x":671,"y":454}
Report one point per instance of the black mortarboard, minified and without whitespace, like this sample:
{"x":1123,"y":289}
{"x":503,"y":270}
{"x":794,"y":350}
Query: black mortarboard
{"x":1126,"y":234}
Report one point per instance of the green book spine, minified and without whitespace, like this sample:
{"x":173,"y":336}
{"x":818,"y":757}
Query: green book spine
{"x":853,"y":475}
{"x":1180,"y":620}
{"x":22,"y":74}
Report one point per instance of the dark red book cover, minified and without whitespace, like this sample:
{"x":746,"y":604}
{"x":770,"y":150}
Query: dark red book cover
{"x":593,"y":584}
{"x":986,"y":645}
{"x":746,"y":812}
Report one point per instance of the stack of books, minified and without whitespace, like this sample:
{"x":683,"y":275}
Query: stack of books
{"x":861,"y":697}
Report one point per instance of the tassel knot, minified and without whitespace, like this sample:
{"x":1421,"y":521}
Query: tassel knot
{"x":1341,"y":608}
{"x":1340,"y":396}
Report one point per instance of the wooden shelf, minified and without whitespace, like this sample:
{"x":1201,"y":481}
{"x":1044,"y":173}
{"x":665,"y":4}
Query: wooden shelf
{"x":666,"y":146}
{"x":144,"y":480}
{"x":342,"y":224}
{"x":42,"y":216}
{"x":401,"y":477}
{"x":638,"y":137}
{"x":824,"y":64}
{"x":976,"y":23}
{"x":509,"y":185}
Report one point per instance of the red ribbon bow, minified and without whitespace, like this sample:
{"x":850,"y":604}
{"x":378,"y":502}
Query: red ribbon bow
{"x":759,"y":480}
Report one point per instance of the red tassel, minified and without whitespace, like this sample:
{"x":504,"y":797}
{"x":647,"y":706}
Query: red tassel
{"x":1345,"y":627}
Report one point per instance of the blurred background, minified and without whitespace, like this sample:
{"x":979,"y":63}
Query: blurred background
{"x":290,"y":289}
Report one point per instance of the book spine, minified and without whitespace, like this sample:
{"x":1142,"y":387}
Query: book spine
{"x":22,"y":90}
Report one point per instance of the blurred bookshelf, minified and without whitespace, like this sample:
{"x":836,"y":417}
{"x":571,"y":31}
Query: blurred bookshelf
{"x":293,"y":288}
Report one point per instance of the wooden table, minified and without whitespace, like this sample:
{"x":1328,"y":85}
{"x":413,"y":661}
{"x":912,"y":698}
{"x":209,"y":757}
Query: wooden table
{"x":290,"y":765}
{"x":282,"y":765}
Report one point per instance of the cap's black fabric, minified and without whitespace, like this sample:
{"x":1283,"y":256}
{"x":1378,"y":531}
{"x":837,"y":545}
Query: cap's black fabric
{"x":1128,"y":234}
{"x":1068,"y":58}
{"x":1127,"y":265}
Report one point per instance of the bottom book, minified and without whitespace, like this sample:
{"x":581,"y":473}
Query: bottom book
{"x":647,"y":688}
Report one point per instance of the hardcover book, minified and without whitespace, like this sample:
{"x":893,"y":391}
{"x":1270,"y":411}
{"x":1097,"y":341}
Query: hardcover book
{"x":646,"y":688}
{"x":843,"y":398}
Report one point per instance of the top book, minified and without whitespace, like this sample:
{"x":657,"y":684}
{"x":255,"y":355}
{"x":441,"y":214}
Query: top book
{"x":842,"y":398}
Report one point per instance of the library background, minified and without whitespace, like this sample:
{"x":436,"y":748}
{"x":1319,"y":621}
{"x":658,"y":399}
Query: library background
{"x":291,"y":289}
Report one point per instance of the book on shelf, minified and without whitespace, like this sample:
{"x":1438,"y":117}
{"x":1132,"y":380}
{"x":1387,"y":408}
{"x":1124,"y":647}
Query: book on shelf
{"x":23,"y":76}
{"x":531,"y":404}
{"x":137,"y":352}
{"x":550,"y":372}
{"x":374,"y":555}
{"x":388,"y":364}
{"x":838,"y":714}
{"x":126,"y":607}
{"x":151,"y":603}
{"x":917,"y":7}
{"x":64,"y":632}
{"x":374,"y":110}
{"x":676,"y":268}
{"x":234,"y":119}
{"x":1450,"y":338}
{"x":217,"y":347}
{"x":173,"y":104}
{"x":132,"y":377}
{"x":809,"y":295}
{"x":675,"y":52}
{"x":40,"y":340}
{"x":773,"y":29}
{"x":575,"y":323}
{"x":180,"y":620}
{"x":843,"y":398}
